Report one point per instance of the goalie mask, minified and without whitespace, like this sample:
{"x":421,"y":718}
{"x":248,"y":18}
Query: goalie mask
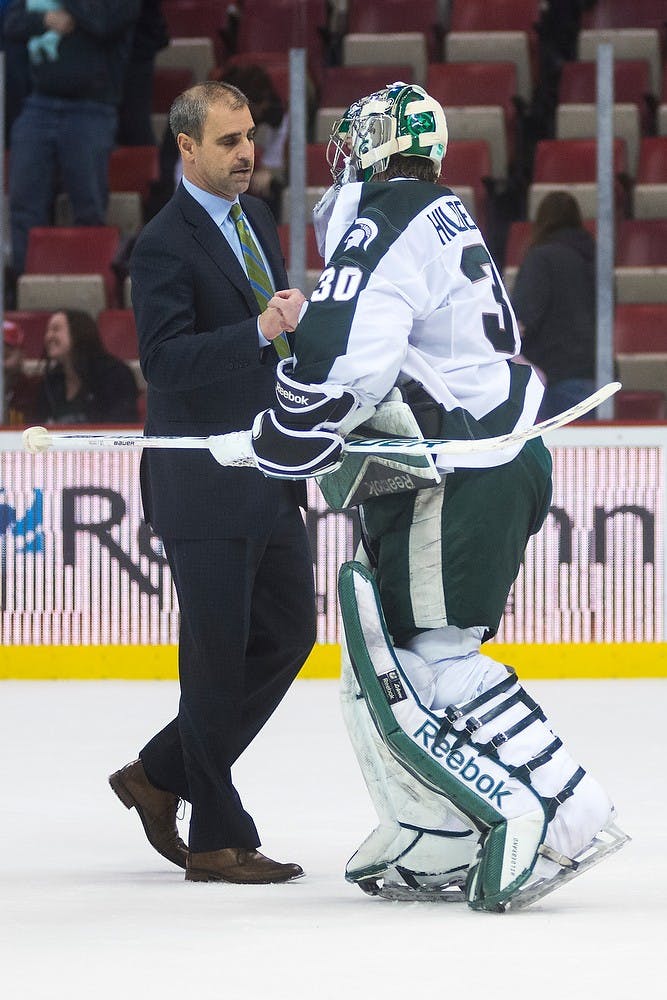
{"x":402,"y":118}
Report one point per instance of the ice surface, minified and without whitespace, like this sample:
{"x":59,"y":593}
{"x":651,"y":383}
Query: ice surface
{"x":89,"y":911}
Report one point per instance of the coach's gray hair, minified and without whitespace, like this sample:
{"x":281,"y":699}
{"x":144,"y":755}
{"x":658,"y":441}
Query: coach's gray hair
{"x":190,"y":109}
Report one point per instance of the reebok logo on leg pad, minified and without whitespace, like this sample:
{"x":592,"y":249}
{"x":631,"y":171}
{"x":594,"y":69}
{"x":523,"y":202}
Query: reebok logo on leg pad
{"x":392,"y":687}
{"x":456,"y":761}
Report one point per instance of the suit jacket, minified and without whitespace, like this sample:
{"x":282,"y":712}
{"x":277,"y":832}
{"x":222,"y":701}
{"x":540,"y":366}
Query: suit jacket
{"x":196,"y":320}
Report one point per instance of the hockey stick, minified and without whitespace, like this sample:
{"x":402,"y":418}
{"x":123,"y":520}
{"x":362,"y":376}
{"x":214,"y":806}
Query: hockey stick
{"x":236,"y":448}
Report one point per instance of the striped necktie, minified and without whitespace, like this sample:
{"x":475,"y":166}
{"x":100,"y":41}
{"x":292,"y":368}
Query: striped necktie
{"x":257,"y":273}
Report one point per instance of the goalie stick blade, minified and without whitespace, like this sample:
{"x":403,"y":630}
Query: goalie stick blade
{"x":609,"y":840}
{"x":467,"y":446}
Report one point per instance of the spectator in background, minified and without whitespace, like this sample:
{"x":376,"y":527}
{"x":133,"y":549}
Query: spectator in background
{"x":66,"y":130}
{"x":134,"y":114}
{"x":20,"y":387}
{"x":17,"y":74}
{"x":557,"y":31}
{"x":554,"y":300}
{"x":82,"y":382}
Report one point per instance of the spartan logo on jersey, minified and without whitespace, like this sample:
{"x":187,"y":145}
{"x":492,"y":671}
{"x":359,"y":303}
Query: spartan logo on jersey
{"x":362,"y":234}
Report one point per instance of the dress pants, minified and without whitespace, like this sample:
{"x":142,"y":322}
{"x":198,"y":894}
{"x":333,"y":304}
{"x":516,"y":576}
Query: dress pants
{"x":247,"y":625}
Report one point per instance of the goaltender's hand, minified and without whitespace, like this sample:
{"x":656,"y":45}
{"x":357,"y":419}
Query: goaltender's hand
{"x":282,"y":313}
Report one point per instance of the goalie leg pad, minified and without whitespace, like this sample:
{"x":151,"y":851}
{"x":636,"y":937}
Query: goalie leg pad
{"x":420,"y":849}
{"x":477,"y":786}
{"x":480,"y":703}
{"x":362,"y":477}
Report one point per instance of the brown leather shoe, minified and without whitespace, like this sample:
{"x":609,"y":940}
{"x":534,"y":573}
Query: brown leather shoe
{"x":157,"y":810}
{"x":238,"y":864}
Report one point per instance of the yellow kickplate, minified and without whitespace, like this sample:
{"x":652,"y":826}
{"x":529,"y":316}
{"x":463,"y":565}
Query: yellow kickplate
{"x":561,"y":661}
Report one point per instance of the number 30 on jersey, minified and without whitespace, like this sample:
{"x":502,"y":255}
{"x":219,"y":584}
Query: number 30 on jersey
{"x":339,"y":284}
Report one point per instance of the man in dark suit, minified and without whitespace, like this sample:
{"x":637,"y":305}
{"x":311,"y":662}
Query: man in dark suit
{"x":235,"y":541}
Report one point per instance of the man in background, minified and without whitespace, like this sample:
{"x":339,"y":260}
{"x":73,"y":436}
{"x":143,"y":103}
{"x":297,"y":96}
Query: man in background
{"x":78,"y":52}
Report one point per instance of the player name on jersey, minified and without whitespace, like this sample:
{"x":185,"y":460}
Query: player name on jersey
{"x":450,"y":219}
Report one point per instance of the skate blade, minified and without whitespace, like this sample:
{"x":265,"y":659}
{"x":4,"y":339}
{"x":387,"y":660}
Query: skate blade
{"x":609,"y":840}
{"x":451,"y":892}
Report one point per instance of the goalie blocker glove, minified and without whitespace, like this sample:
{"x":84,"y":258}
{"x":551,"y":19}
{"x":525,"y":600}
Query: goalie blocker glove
{"x":288,"y":453}
{"x":301,"y":437}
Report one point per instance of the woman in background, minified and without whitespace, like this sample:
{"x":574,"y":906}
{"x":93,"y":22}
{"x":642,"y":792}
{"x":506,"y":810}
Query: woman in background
{"x":554,"y":301}
{"x":82,"y":382}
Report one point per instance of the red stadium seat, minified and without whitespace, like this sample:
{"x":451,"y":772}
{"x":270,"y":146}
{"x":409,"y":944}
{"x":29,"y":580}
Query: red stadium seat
{"x":649,"y":193}
{"x":468,"y":163}
{"x":501,"y":15}
{"x":641,"y":243}
{"x":578,"y":82}
{"x":640,"y":346}
{"x":342,"y":85}
{"x":168,"y":83}
{"x":197,"y":19}
{"x":281,"y":25}
{"x":75,"y":250}
{"x":119,"y":333}
{"x":640,"y":327}
{"x":625,"y":14}
{"x":652,"y":167}
{"x":632,"y":85}
{"x":573,"y":160}
{"x":378,"y":17}
{"x":466,"y":83}
{"x":134,"y":168}
{"x":640,"y":406}
{"x":627,"y":43}
{"x":502,"y":30}
{"x":473,"y":84}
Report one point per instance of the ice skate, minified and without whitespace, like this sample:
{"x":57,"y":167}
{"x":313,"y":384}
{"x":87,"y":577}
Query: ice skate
{"x":553,"y":870}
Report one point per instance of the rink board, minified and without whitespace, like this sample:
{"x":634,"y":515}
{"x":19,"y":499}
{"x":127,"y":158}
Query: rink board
{"x":85,"y":589}
{"x":552,"y":661}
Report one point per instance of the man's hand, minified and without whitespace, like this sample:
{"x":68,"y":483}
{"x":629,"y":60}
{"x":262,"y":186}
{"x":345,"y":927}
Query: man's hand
{"x":59,"y":21}
{"x":282,"y":313}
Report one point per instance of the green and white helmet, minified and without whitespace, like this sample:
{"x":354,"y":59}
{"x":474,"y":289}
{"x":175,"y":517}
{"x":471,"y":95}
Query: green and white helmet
{"x":401,"y":118}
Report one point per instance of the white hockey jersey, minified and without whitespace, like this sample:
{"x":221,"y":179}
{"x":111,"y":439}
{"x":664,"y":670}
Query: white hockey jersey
{"x":410,"y":292}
